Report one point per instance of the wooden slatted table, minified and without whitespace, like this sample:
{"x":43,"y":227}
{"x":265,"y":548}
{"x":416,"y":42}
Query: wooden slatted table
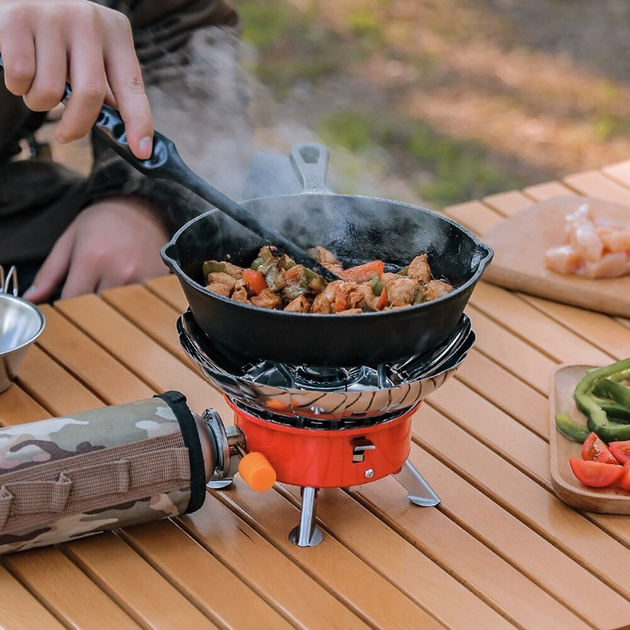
{"x":500,"y":551}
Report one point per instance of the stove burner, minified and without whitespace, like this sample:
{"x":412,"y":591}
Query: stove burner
{"x":313,"y":422}
{"x":327,"y":394}
{"x":327,"y":378}
{"x":357,"y":379}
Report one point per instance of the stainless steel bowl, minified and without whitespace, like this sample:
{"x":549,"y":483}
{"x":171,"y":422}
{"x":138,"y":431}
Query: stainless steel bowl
{"x":21,"y":323}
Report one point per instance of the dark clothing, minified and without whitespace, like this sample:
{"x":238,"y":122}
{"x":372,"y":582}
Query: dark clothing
{"x":188,"y":54}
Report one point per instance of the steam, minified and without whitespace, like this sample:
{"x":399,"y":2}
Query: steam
{"x":205,"y":111}
{"x":230,"y":131}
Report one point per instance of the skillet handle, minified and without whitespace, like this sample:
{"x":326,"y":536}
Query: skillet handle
{"x":310,"y":163}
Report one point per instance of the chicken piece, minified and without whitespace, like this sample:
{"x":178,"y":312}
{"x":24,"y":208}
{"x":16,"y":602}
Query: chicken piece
{"x":233,"y":270}
{"x":240,"y":292}
{"x":351,"y":311}
{"x":330,"y":292}
{"x":363,"y":297}
{"x":321,"y":305}
{"x":615,"y":240}
{"x":388,"y":277}
{"x":219,"y":289}
{"x":298,"y":305}
{"x":322,"y":255}
{"x":267,"y":299}
{"x":586,"y":242}
{"x":402,"y":291}
{"x":419,"y":269}
{"x":326,"y":258}
{"x":350,"y":295}
{"x":437,"y":289}
{"x":220,"y":277}
{"x":564,"y":259}
{"x":610,"y":266}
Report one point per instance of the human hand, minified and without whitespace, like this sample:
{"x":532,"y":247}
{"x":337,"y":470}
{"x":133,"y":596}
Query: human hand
{"x":109,"y":244}
{"x":46,"y":43}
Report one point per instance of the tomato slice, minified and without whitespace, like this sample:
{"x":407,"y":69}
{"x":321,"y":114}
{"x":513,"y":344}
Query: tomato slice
{"x":620,"y":451}
{"x":624,"y":479}
{"x":254,"y":280}
{"x":382,"y":300}
{"x":363,"y":273}
{"x":595,"y":474}
{"x":595,"y":449}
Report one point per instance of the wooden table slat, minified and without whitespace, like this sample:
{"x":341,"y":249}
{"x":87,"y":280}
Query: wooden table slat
{"x":19,"y":609}
{"x":534,"y":505}
{"x":58,"y":585}
{"x":596,"y":184}
{"x":213,"y":587}
{"x":145,"y":595}
{"x":547,"y":190}
{"x":508,"y":203}
{"x":502,"y":530}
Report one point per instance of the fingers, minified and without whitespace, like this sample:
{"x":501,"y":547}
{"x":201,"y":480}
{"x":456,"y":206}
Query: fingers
{"x":18,"y":55}
{"x":45,"y":43}
{"x":86,"y":74}
{"x":125,"y":80}
{"x":54,"y":270}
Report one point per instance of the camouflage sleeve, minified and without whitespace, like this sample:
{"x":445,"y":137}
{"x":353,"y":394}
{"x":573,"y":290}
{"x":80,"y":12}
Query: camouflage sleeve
{"x":69,"y":477}
{"x":189,"y":53}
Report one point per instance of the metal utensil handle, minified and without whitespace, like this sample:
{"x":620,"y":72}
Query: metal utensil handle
{"x":310,"y":163}
{"x":166,"y":163}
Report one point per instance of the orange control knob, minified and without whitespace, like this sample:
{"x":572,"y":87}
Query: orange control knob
{"x":257,"y":471}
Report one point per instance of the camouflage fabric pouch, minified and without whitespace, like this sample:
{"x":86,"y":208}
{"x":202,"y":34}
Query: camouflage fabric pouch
{"x":74,"y":476}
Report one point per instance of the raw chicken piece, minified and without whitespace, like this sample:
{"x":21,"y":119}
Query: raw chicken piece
{"x":610,"y":266}
{"x":615,"y":240}
{"x":585,"y":241}
{"x":596,"y":246}
{"x":563,"y":259}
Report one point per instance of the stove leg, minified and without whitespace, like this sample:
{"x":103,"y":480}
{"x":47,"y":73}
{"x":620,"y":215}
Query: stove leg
{"x":307,"y":534}
{"x":419,"y":491}
{"x":219,"y":484}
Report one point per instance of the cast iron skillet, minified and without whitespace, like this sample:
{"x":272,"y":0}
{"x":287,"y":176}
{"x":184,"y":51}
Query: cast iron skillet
{"x":357,"y":229}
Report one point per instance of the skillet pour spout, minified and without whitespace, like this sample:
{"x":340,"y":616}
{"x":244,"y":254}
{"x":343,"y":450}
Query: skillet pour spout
{"x":356,"y":229}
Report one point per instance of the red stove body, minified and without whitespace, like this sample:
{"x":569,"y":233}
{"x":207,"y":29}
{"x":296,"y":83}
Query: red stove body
{"x":350,"y":454}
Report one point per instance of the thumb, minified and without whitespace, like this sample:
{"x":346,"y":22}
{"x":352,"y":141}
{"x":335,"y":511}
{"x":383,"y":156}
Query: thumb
{"x":52,"y":272}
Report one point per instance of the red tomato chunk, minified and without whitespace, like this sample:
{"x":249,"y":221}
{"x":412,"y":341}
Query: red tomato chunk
{"x":620,"y":451}
{"x":595,"y":449}
{"x":595,"y":474}
{"x":624,"y":480}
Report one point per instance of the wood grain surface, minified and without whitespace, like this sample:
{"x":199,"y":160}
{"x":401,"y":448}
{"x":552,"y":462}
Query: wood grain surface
{"x":501,"y":550}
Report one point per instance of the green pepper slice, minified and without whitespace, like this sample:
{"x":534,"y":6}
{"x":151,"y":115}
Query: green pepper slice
{"x":570,"y":428}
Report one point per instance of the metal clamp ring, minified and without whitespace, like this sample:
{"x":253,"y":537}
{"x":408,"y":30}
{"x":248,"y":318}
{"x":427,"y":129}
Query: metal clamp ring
{"x":215,"y":426}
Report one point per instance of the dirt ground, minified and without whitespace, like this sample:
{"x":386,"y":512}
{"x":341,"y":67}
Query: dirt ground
{"x":440,"y":101}
{"x":435,"y":102}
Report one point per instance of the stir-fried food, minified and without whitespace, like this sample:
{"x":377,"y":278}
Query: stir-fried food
{"x":275,"y":281}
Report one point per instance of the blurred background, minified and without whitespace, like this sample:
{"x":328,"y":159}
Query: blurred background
{"x":436,"y":102}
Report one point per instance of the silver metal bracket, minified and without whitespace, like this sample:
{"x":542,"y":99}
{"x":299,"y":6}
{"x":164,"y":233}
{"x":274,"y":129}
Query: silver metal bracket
{"x":307,"y":534}
{"x":359,"y":446}
{"x":418,"y":490}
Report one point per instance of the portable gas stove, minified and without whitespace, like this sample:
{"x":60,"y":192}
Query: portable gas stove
{"x":320,"y":427}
